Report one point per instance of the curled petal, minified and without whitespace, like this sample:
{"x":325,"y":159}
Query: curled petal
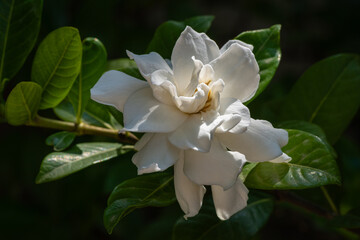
{"x":157,"y":154}
{"x":143,"y":113}
{"x":231,"y":42}
{"x":149,"y":63}
{"x":234,"y":107}
{"x":283,"y":158}
{"x":217,"y":167}
{"x":260,"y":142}
{"x":229,"y":202}
{"x":162,"y":85}
{"x":188,"y":194}
{"x":238,"y":68}
{"x":114,"y":88}
{"x":191,"y":44}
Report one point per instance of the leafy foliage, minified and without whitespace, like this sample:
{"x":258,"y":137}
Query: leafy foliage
{"x":60,"y":140}
{"x":242,"y":225}
{"x":57,"y":64}
{"x":60,"y":164}
{"x":23,"y":103}
{"x":327,"y":94}
{"x":312,"y":165}
{"x":156,"y":189}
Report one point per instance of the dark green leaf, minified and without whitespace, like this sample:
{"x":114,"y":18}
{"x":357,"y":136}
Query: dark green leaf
{"x":23,"y":103}
{"x":242,"y":225}
{"x":267,"y":52}
{"x":19,"y":27}
{"x":310,"y":128}
{"x":167,"y":33}
{"x":125,"y":65}
{"x":312,"y":165}
{"x":92,"y":67}
{"x":156,"y":189}
{"x":57,"y":64}
{"x":327,"y":94}
{"x":60,"y":140}
{"x":349,"y":220}
{"x":60,"y":164}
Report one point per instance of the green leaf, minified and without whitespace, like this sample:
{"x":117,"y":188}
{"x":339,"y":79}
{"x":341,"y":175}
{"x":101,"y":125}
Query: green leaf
{"x":156,"y":189}
{"x":312,"y":165}
{"x":23,"y":103}
{"x":19,"y":27}
{"x":267,"y":52}
{"x":60,"y":140}
{"x":349,"y":220}
{"x":327,"y":94}
{"x":60,"y":164}
{"x":125,"y":65}
{"x":167,"y":33}
{"x":310,"y":128}
{"x":57,"y":64}
{"x":92,"y":67}
{"x":241,"y":225}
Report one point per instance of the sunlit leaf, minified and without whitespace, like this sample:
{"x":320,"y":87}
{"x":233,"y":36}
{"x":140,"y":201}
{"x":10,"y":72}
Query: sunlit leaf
{"x":156,"y":189}
{"x":22,"y":103}
{"x":312,"y":165}
{"x":57,"y":64}
{"x":60,"y":164}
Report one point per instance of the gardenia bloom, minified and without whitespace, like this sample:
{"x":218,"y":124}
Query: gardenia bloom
{"x":192,"y":114}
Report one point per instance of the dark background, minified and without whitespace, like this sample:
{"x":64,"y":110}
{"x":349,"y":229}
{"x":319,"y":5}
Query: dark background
{"x":72,"y":208}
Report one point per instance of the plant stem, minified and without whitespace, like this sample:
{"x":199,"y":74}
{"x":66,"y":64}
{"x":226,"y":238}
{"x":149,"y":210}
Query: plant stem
{"x":330,"y":201}
{"x":83,"y":129}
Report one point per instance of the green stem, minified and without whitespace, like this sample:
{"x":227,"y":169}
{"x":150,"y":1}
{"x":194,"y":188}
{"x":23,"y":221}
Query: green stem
{"x":330,"y":201}
{"x":83,"y":129}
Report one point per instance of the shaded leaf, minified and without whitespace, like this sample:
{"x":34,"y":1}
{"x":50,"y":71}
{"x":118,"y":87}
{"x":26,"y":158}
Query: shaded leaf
{"x":267,"y":52}
{"x":327,"y":94}
{"x":156,"y":189}
{"x":60,"y":140}
{"x":312,"y":165}
{"x":241,"y":225}
{"x":349,"y":220}
{"x":23,"y":103}
{"x":93,"y":64}
{"x":19,"y":27}
{"x":57,"y":64}
{"x":167,"y":33}
{"x":60,"y":164}
{"x":125,"y":65}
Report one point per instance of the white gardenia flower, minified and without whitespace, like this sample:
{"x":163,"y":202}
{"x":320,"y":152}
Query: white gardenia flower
{"x":191,"y":112}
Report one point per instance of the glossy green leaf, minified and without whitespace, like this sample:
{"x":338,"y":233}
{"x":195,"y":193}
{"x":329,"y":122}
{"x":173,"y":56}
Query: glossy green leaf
{"x":241,"y":225}
{"x":156,"y":189}
{"x":92,"y":67}
{"x":60,"y":140}
{"x":167,"y":33}
{"x":327,"y":94}
{"x":125,"y":65}
{"x":312,"y":165}
{"x":19,"y":27}
{"x":267,"y":52}
{"x":310,"y":128}
{"x":23,"y":103}
{"x":57,"y":64}
{"x":60,"y":164}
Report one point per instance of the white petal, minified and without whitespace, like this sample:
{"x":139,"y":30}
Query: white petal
{"x":230,"y":201}
{"x":283,"y":158}
{"x":156,"y":155}
{"x":216,"y":167}
{"x":149,"y":63}
{"x":197,"y":131}
{"x":233,"y":106}
{"x":188,"y":194}
{"x":239,"y":70}
{"x":260,"y":142}
{"x":162,"y":85}
{"x":114,"y":88}
{"x":143,"y":113}
{"x":231,"y":42}
{"x":143,"y":141}
{"x":191,"y":44}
